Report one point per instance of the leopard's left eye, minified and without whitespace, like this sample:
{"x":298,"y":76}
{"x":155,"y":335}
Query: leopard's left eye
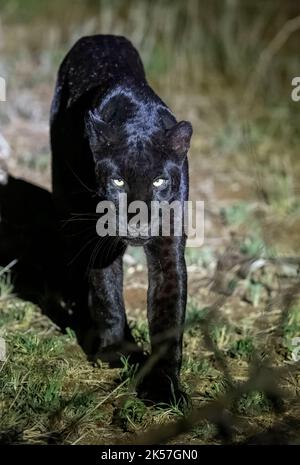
{"x":159,"y":182}
{"x":118,"y":182}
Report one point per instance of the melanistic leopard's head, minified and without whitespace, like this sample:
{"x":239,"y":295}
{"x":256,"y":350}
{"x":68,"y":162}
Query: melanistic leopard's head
{"x":139,"y":150}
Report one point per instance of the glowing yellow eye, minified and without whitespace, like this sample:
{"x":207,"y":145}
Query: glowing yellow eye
{"x":118,"y":182}
{"x":158,"y":182}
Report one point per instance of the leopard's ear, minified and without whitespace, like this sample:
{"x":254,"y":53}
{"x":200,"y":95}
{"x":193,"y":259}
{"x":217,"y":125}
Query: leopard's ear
{"x":98,"y":131}
{"x":179,"y":137}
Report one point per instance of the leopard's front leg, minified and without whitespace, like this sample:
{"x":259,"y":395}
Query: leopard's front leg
{"x":167,"y":295}
{"x":112,"y":337}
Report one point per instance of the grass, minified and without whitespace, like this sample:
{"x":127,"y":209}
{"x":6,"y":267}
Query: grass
{"x":140,"y":332}
{"x":291,"y":333}
{"x":194,"y":317}
{"x":221,"y":335}
{"x":49,"y":393}
{"x":6,"y":286}
{"x":203,"y":257}
{"x":196,"y":367}
{"x":216,"y":389}
{"x":253,"y":404}
{"x":236,"y":214}
{"x":253,"y":246}
{"x":243,"y":347}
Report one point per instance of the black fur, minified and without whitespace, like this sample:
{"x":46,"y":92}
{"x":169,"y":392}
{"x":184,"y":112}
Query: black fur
{"x":106,"y":122}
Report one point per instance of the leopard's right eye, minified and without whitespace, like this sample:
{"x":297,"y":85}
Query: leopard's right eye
{"x":159,"y":182}
{"x":118,"y":182}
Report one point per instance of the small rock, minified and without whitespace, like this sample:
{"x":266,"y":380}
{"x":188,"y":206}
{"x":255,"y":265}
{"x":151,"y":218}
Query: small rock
{"x":289,"y":270}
